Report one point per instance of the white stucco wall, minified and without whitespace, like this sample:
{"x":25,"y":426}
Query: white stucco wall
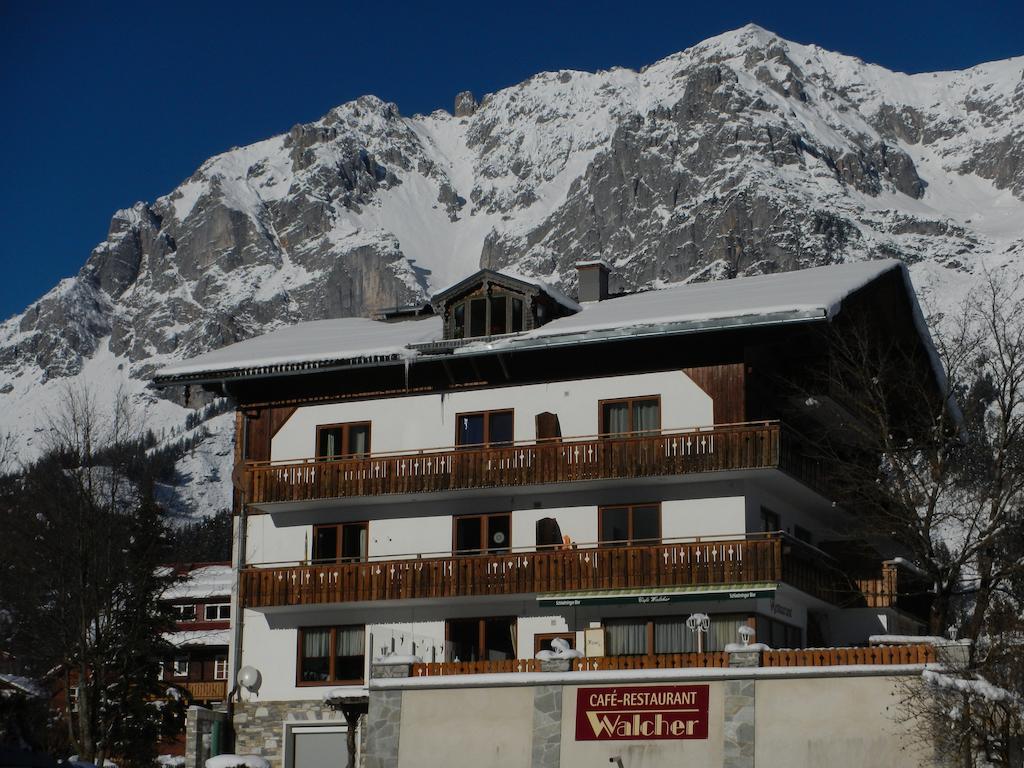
{"x":428,"y":421}
{"x":686,"y":518}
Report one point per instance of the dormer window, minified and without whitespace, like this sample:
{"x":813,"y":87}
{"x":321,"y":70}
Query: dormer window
{"x":491,"y":315}
{"x":492,"y":304}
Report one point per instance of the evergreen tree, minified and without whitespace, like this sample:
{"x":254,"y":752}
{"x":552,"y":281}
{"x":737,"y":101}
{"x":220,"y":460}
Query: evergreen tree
{"x":84,"y":541}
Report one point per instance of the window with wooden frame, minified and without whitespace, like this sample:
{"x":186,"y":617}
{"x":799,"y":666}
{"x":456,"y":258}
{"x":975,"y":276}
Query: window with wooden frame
{"x":184,"y":612}
{"x":180,"y":667}
{"x":542,"y":640}
{"x":340,"y":441}
{"x":331,"y":655}
{"x":483,"y":639}
{"x":477,"y":534}
{"x":340,"y":543}
{"x":491,"y":315}
{"x":630,"y":415}
{"x":769,"y":521}
{"x":485,"y":428}
{"x":629,"y":524}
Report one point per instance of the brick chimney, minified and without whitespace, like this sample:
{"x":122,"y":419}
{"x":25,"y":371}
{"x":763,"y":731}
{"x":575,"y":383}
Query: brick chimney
{"x":593,"y":280}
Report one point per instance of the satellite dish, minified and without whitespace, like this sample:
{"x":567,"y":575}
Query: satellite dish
{"x":499,"y":537}
{"x":250,"y":678}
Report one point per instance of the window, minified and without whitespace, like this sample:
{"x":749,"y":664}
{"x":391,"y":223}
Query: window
{"x":459,"y":321}
{"x":331,"y":655}
{"x":626,"y":525}
{"x":491,"y":639}
{"x":217,"y":611}
{"x":487,"y":316}
{"x":220,"y":668}
{"x":345,"y":542}
{"x":342,"y":440}
{"x":630,"y":415}
{"x":769,"y":521}
{"x":626,"y":637}
{"x":542,"y":641}
{"x":517,"y":315}
{"x":180,"y":667}
{"x":475,"y":534}
{"x":778,"y":634}
{"x":484,"y":428}
{"x":668,"y":634}
{"x":184,"y":612}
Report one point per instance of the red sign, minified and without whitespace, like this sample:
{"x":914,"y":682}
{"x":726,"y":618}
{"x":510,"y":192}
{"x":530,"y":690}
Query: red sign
{"x":642,"y":712}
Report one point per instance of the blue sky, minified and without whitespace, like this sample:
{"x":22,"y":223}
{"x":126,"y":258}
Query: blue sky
{"x":104,"y":104}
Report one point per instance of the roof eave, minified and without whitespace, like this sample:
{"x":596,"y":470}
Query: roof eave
{"x":506,"y":345}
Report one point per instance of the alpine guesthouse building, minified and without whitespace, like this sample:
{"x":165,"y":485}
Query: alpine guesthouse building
{"x":514,"y":528}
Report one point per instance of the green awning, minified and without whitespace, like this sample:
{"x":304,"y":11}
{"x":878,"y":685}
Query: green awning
{"x":656,"y":595}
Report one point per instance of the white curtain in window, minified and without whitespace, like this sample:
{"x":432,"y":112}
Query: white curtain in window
{"x":331,"y":447}
{"x":672,"y":636}
{"x":357,"y":437}
{"x":645,"y":416}
{"x":350,"y":641}
{"x":724,"y":630}
{"x":626,"y":639}
{"x":617,"y":419}
{"x":316,"y":643}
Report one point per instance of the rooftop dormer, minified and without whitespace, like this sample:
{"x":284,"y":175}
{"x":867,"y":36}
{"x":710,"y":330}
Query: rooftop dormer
{"x":491,"y":303}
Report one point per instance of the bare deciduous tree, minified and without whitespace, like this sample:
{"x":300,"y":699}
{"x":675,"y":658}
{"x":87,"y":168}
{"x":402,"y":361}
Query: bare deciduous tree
{"x":84,"y":539}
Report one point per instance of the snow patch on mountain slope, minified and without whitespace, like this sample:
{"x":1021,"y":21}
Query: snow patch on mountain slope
{"x":365,"y":206}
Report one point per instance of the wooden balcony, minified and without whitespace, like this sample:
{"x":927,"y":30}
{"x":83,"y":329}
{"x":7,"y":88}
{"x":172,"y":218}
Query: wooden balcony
{"x":566,"y":460}
{"x":205,"y":690}
{"x":755,"y":560}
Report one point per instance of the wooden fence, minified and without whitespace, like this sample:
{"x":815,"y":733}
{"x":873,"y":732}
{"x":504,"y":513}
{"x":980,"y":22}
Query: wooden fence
{"x":884,"y":655}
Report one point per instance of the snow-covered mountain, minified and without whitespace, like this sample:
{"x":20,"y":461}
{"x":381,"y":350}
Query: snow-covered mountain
{"x":743,"y":154}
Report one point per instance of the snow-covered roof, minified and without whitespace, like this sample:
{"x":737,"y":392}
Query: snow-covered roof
{"x":343,"y":339}
{"x":205,"y":581}
{"x":26,"y":685}
{"x":809,"y":294}
{"x":198,"y":637}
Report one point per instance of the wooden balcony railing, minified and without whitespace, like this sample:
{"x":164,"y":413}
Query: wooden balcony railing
{"x":921,"y":653}
{"x":732,"y":447}
{"x":205,"y":690}
{"x":762,"y":558}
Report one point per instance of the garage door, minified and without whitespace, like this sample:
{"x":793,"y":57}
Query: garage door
{"x":319,"y":748}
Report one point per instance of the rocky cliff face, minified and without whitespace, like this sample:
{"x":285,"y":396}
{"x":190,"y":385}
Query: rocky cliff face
{"x":743,"y":154}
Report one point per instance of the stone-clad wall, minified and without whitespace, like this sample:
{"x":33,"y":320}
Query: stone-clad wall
{"x":259,"y":726}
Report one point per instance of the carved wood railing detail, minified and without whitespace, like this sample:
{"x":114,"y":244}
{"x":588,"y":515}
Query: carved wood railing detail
{"x":734,"y":447}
